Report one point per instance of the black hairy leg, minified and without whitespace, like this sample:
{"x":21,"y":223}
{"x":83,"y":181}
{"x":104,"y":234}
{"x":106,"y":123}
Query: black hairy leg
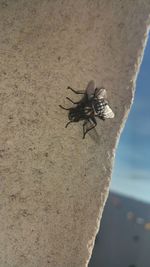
{"x":93,"y":124}
{"x":73,"y":101}
{"x":78,"y":92}
{"x":64,"y":107}
{"x":68,"y":123}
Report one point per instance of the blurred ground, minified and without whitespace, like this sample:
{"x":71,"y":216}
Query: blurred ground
{"x":124,"y":237}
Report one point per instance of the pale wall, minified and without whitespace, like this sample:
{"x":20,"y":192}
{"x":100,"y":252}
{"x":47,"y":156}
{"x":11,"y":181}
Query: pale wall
{"x":53,"y":184}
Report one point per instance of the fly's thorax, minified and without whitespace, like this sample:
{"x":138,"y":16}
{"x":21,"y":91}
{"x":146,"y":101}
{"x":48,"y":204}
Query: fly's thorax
{"x":73,"y":114}
{"x":76,"y":114}
{"x":88,"y":111}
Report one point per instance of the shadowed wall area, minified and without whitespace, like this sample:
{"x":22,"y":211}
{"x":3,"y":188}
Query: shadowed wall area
{"x":53,"y":184}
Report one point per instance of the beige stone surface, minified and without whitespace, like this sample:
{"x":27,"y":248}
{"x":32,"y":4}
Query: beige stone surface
{"x":53,"y":184}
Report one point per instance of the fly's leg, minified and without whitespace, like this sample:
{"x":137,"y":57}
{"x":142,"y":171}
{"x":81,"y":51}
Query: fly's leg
{"x":64,"y":107}
{"x":68,"y":123}
{"x":93,"y":122}
{"x":84,"y":130}
{"x":72,"y":101}
{"x":78,"y":92}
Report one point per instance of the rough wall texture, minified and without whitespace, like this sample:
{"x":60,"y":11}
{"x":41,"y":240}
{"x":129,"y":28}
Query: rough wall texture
{"x":53,"y":184}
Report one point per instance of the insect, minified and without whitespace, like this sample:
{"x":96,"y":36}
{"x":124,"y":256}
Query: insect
{"x":92,"y":105}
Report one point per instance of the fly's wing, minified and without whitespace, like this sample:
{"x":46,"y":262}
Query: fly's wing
{"x":90,"y":89}
{"x":101,"y":93}
{"x":108,"y":113}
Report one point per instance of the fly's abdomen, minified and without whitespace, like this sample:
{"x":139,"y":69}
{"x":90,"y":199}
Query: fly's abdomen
{"x":102,"y":109}
{"x":99,"y":106}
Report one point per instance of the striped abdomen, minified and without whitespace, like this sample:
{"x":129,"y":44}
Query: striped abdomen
{"x":102,"y":109}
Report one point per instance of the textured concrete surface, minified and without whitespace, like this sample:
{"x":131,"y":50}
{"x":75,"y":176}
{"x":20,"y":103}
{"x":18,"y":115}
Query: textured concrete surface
{"x":53,"y":184}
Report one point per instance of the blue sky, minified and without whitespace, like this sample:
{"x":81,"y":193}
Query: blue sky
{"x":131,"y":176}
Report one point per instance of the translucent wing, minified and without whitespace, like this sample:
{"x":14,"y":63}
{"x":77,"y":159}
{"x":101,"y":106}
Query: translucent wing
{"x":108,"y":113}
{"x":90,"y":89}
{"x":101,"y":93}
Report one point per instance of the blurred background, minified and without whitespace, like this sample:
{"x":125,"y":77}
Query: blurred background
{"x":124,"y":237}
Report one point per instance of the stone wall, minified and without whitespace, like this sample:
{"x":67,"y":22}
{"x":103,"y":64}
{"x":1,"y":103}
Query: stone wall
{"x":54,"y":184}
